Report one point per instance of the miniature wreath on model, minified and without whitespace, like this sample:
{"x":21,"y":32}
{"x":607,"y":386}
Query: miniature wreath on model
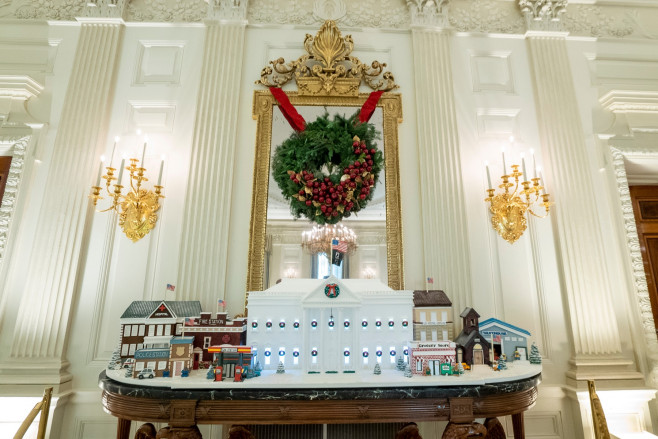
{"x":329,"y":170}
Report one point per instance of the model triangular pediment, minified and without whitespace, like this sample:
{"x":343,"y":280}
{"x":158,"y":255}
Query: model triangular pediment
{"x":331,"y":291}
{"x":162,"y":312}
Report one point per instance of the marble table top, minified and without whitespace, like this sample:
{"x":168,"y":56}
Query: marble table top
{"x":419,"y":389}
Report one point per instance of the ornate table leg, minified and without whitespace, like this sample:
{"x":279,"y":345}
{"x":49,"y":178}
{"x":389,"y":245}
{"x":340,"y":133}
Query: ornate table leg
{"x":494,"y":429}
{"x":464,"y":431}
{"x":517,"y":425}
{"x":123,"y":428}
{"x":409,"y":431}
{"x":240,"y":432}
{"x":179,"y":433}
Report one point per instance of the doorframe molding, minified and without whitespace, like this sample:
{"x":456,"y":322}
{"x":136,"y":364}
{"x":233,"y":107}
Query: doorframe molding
{"x":634,"y":256}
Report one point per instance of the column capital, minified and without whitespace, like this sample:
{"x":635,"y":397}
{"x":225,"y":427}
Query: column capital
{"x":429,"y":13}
{"x":227,"y":10}
{"x":104,"y":9}
{"x":543,"y":15}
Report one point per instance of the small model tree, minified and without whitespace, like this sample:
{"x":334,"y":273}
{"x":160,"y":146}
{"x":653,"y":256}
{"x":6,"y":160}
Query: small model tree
{"x":378,"y":369}
{"x":280,"y":368}
{"x":250,"y":373}
{"x":129,"y":371}
{"x":460,"y":368}
{"x":400,"y":365}
{"x":257,"y":369}
{"x":211,"y":373}
{"x":115,"y":361}
{"x":535,"y":356}
{"x":407,"y":372}
{"x":502,"y":363}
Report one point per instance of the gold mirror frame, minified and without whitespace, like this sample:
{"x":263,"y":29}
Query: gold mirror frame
{"x":332,"y":91}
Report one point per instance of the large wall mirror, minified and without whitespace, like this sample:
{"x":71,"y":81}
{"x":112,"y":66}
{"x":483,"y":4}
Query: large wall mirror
{"x":275,"y":241}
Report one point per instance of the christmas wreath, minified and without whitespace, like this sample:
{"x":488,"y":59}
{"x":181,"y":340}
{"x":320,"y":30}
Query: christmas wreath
{"x":329,"y":170}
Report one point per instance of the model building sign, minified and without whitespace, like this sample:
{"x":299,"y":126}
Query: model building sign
{"x":302,"y":327}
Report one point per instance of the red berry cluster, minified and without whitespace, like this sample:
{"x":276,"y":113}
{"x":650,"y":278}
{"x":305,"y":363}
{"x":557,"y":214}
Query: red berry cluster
{"x":333,"y":199}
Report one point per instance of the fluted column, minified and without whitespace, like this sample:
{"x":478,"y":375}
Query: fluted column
{"x":204,"y":245}
{"x":53,"y":271}
{"x":596,"y":339}
{"x":445,"y":240}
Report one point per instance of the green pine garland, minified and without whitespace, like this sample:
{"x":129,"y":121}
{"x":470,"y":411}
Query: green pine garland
{"x":329,"y":170}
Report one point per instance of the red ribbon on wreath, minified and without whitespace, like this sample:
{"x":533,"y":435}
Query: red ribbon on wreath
{"x":369,"y":106}
{"x":298,"y":123}
{"x":295,"y":119}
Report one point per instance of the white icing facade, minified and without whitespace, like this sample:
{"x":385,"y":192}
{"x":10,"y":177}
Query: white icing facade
{"x":297,"y":323}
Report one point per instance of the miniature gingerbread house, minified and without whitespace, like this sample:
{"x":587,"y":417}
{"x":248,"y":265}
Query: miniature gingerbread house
{"x":330,"y":325}
{"x":472,"y":347}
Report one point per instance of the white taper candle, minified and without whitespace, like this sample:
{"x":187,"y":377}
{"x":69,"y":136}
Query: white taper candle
{"x":504,"y":167}
{"x":160,"y":174}
{"x":100,"y":171}
{"x":123,"y":163}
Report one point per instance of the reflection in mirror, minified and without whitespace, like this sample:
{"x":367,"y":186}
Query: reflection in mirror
{"x":287,"y":257}
{"x":275,"y":249}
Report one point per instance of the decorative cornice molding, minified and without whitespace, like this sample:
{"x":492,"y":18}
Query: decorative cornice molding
{"x":11,"y":188}
{"x":428,"y":13}
{"x":543,"y":14}
{"x":486,"y":16}
{"x":633,"y":246}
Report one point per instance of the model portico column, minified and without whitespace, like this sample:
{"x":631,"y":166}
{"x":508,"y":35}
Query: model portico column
{"x":204,"y":244}
{"x":445,"y":241}
{"x":52,"y":279}
{"x":597,"y":345}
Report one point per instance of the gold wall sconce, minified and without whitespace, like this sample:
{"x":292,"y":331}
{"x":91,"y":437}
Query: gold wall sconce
{"x":138,"y":207}
{"x":517,"y":198}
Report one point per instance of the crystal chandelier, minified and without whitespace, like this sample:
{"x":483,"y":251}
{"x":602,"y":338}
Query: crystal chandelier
{"x":319,"y":238}
{"x":511,"y":205}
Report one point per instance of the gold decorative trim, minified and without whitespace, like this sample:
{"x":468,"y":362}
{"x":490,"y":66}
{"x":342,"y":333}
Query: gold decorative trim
{"x":262,"y":111}
{"x":328,"y":68}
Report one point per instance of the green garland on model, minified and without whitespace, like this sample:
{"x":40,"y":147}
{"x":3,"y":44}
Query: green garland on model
{"x":329,"y":170}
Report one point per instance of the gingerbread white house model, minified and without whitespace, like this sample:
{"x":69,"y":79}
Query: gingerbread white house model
{"x":330,"y":325}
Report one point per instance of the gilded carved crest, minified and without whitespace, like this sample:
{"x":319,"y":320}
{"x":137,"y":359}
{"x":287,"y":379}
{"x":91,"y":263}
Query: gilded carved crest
{"x":328,"y":68}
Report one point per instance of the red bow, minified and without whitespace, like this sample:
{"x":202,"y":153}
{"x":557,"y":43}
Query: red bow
{"x":298,"y":123}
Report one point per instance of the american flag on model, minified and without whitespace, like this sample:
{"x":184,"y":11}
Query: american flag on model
{"x":339,"y":246}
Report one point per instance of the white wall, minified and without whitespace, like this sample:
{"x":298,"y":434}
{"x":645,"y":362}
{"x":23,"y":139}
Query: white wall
{"x":158,"y":81}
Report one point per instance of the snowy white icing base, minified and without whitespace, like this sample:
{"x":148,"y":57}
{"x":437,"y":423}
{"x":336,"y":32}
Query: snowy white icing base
{"x":295,"y":379}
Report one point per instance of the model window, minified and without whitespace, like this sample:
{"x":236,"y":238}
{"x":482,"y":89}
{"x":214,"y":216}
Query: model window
{"x":139,"y":366}
{"x":434,"y":319}
{"x":159,"y":330}
{"x":423,"y":316}
{"x":126,"y":331}
{"x":140,"y":346}
{"x":179,"y":329}
{"x":124,"y":350}
{"x":134,"y":330}
{"x":423,"y":336}
{"x":206,"y":342}
{"x":132,"y":349}
{"x":162,"y":365}
{"x":151,"y":330}
{"x":419,"y":365}
{"x":168,"y":330}
{"x":444,"y":316}
{"x":445,"y":335}
{"x":434,"y":335}
{"x":141,"y":330}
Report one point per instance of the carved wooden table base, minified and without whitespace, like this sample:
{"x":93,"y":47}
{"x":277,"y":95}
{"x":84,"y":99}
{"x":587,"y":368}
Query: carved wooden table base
{"x":184,"y":409}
